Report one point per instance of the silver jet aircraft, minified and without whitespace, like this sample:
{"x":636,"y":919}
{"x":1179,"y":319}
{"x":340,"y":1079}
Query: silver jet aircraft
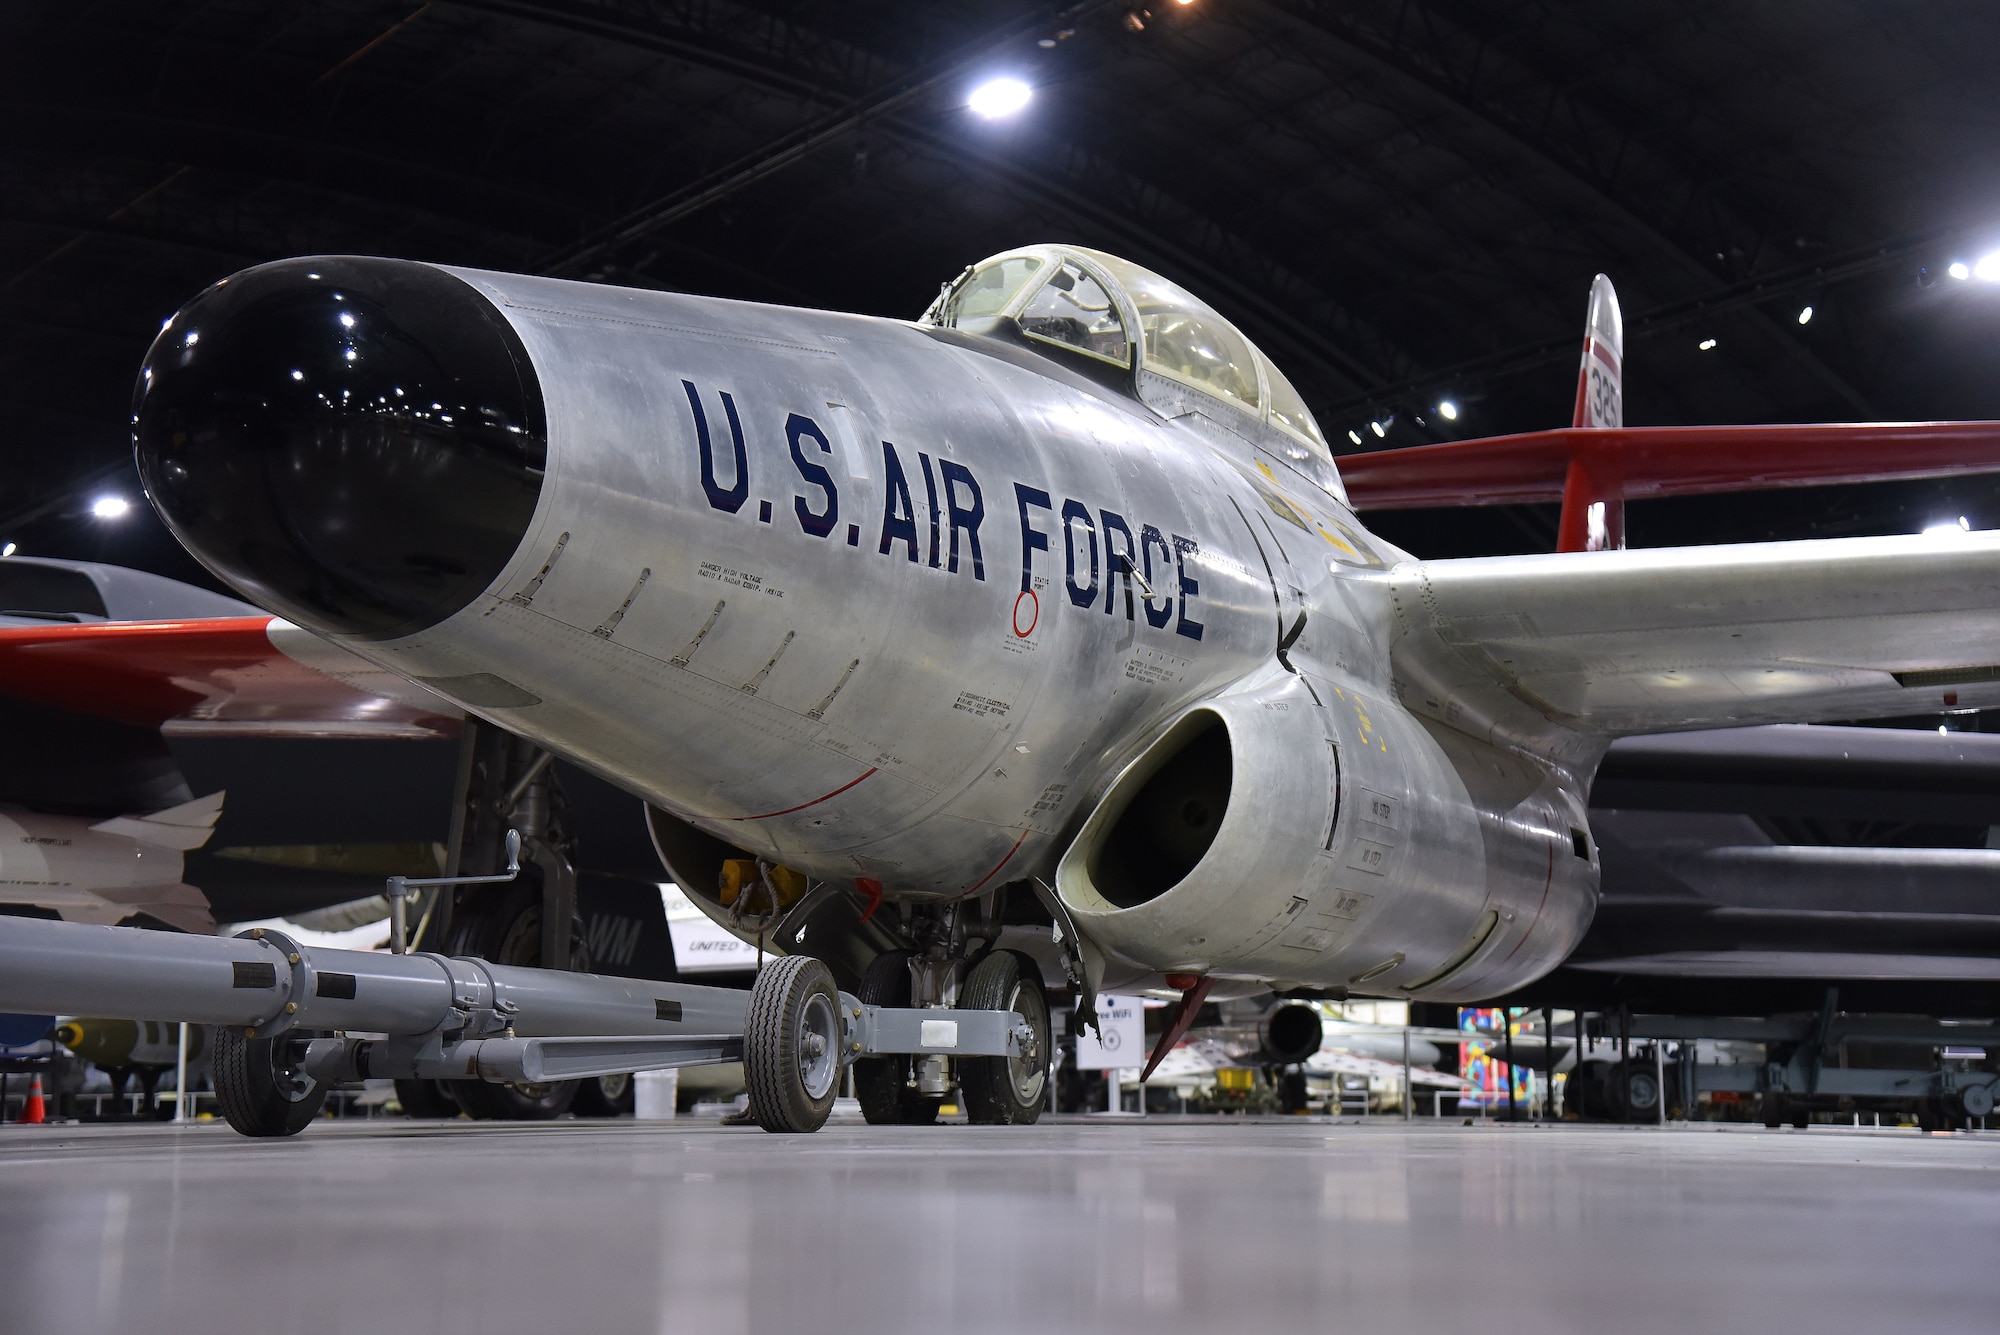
{"x":1053,"y":591}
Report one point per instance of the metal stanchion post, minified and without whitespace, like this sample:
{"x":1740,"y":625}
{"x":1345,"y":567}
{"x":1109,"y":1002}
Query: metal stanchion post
{"x":1409,"y":1092}
{"x":1549,"y":1051}
{"x":181,"y":1077}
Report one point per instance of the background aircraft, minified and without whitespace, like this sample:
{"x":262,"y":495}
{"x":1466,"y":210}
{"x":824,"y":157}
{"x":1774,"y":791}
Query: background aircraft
{"x":124,"y":692}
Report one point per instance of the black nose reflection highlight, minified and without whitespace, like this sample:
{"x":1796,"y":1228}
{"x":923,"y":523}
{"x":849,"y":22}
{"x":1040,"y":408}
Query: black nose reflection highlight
{"x":356,"y":444}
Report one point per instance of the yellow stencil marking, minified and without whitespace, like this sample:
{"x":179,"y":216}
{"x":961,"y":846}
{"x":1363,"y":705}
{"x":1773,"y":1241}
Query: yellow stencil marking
{"x":1337,"y":542}
{"x":1367,"y":725}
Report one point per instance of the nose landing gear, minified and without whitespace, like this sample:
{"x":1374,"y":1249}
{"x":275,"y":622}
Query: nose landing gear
{"x":508,"y":783}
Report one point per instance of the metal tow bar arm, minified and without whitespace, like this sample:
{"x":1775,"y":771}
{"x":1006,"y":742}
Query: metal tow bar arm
{"x":447,"y":1019}
{"x":880,"y":1030}
{"x":518,"y":1060}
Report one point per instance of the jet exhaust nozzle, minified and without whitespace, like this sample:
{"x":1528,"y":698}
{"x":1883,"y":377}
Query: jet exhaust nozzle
{"x":356,"y":444}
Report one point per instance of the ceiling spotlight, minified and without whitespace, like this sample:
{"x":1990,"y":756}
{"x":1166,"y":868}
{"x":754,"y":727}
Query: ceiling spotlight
{"x":110,"y":507}
{"x":1448,"y":411}
{"x":8,"y":550}
{"x":1354,"y":436}
{"x":1960,"y":270}
{"x":1706,"y":345}
{"x":1987,"y":270}
{"x":1805,"y":315}
{"x":1948,"y":529}
{"x":999,"y":97}
{"x":1378,"y":429}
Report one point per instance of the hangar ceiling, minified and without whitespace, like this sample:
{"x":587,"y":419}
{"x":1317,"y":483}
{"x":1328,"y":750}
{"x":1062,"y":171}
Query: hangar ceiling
{"x":1402,"y":202}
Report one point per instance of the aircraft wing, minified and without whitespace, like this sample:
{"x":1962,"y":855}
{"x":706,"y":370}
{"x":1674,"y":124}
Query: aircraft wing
{"x":1652,"y":461}
{"x":1608,"y":644}
{"x":242,"y":676}
{"x":1593,"y":471}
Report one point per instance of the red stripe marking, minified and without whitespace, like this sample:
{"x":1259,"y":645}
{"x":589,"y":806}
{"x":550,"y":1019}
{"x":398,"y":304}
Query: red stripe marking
{"x":815,"y":802}
{"x":1603,"y":354}
{"x":998,"y":865}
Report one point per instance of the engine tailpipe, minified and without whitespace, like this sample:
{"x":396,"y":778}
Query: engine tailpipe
{"x":1290,"y":1033}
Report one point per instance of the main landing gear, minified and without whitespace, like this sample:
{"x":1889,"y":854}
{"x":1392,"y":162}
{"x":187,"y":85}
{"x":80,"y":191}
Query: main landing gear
{"x":956,"y":967}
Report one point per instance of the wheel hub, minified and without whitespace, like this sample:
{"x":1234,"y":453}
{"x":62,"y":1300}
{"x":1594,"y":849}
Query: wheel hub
{"x":818,"y":1033}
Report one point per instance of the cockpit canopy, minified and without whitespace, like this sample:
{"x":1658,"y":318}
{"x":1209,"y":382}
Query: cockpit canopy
{"x":1109,"y":309}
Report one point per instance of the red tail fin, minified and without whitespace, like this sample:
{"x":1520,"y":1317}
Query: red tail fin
{"x":1600,"y":381}
{"x":1593,"y":513}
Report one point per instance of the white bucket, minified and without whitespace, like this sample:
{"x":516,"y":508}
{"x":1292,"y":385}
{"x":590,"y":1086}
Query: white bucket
{"x":654,"y":1093}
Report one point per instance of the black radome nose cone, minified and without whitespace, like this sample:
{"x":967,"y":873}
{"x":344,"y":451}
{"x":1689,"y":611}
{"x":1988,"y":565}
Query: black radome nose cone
{"x":355,"y":444}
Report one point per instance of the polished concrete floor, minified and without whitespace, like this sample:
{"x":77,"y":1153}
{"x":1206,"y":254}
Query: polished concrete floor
{"x":1156,"y":1225}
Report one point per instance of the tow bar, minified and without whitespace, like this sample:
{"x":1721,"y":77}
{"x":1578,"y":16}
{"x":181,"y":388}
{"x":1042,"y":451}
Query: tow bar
{"x":294,"y":1019}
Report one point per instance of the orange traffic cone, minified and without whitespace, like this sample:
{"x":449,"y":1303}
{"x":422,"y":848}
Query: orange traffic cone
{"x":34,"y":1112}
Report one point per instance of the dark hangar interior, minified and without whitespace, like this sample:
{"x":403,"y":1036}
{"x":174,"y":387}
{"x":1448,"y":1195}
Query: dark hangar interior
{"x":1403,"y":203}
{"x":499,"y":942}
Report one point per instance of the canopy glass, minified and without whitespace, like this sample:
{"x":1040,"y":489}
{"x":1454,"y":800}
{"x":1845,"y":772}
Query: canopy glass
{"x":1102,"y":306}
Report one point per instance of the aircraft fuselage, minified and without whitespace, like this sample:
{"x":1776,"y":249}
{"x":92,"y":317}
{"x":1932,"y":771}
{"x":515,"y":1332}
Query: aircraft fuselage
{"x":899,"y":605}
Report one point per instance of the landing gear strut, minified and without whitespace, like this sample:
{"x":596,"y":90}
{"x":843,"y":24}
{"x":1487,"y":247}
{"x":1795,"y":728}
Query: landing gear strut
{"x":886,"y":1087}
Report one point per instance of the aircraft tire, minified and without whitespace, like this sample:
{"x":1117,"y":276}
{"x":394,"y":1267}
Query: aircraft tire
{"x":256,"y":1097}
{"x":1006,"y":1091}
{"x":605,"y":1096}
{"x":507,"y":929}
{"x":426,"y":1098}
{"x":791,"y":1045}
{"x":1292,"y":1096}
{"x":1638,"y":1092}
{"x":882,"y":1084}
